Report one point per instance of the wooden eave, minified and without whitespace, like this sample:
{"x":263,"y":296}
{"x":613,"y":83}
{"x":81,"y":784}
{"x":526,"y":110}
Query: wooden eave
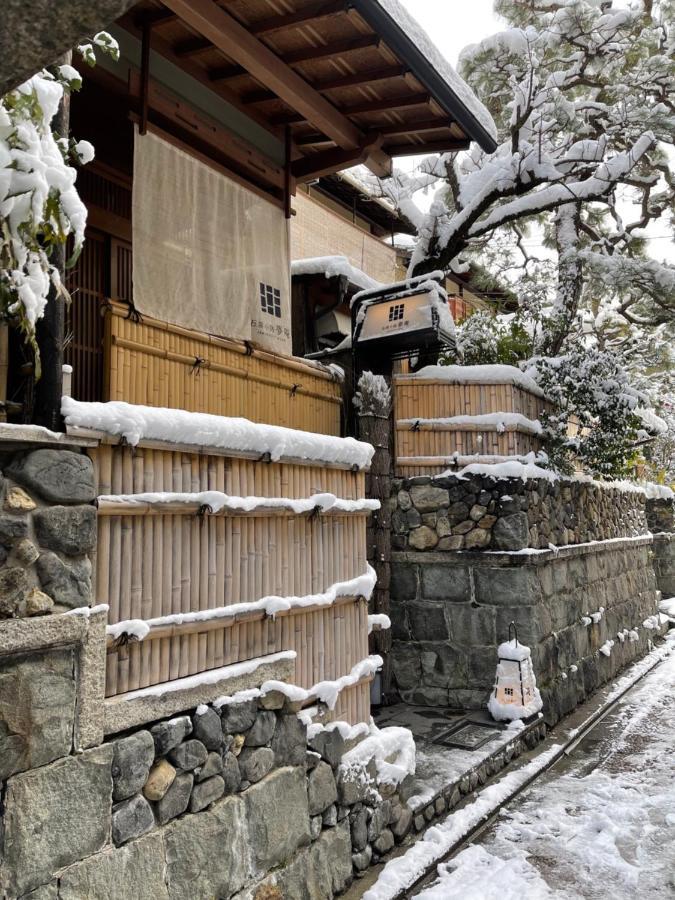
{"x":323,"y":74}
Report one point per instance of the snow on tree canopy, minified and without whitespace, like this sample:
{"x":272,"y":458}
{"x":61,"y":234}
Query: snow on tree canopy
{"x":136,"y":423}
{"x":416,"y":34}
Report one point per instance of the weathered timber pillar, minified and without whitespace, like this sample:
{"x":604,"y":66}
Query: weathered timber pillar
{"x":374,"y":393}
{"x":50,"y":329}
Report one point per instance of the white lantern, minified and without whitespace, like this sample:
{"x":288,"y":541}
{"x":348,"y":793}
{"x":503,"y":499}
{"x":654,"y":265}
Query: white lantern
{"x":515,"y":694}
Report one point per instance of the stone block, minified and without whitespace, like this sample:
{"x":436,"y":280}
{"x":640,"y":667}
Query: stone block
{"x":37,"y":710}
{"x":458,"y":512}
{"x":262,"y":730}
{"x":423,"y":538}
{"x":478,"y":539}
{"x":449,"y":583}
{"x":320,"y":872}
{"x":427,"y":621}
{"x":66,"y":529}
{"x":159,"y":781}
{"x":136,"y":870}
{"x":352,"y":787}
{"x":58,"y":476}
{"x":321,"y":788}
{"x":359,"y":829}
{"x":14,"y":587}
{"x":330,"y":744}
{"x":212,"y":766}
{"x":207,"y":728}
{"x":362,"y":860}
{"x":453,"y":543}
{"x":12,"y":530}
{"x":255,"y":763}
{"x":206,"y":792}
{"x":231,"y":774}
{"x":384,"y":843}
{"x":18,"y":501}
{"x":55,"y":816}
{"x":406,"y":665}
{"x":278,"y":817}
{"x":38,"y":603}
{"x":26,"y":552}
{"x":511,"y":532}
{"x":403,"y":824}
{"x":169,"y":734}
{"x":131,"y":819}
{"x":329,"y":817}
{"x":207,"y":855}
{"x":511,"y":586}
{"x":472,"y":625}
{"x":132,"y":758}
{"x":238,"y":717}
{"x":69,"y":584}
{"x":188,"y":755}
{"x":403,"y":584}
{"x":175,"y":801}
{"x":427,"y":498}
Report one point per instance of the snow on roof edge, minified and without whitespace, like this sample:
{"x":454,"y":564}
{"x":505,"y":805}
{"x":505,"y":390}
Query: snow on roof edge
{"x":333,"y":267}
{"x":415,"y":34}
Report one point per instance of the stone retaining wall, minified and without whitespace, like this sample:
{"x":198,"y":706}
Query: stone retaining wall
{"x":664,"y":563}
{"x":661,"y":514}
{"x":201,"y":805}
{"x":47,"y":531}
{"x":451,"y":610}
{"x":481,"y":513}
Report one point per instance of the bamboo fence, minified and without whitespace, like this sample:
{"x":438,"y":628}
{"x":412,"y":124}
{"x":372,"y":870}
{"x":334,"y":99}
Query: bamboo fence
{"x":424,"y":448}
{"x":156,"y":560}
{"x":154,"y":363}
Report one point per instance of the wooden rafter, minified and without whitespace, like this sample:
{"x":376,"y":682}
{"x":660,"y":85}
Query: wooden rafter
{"x":272,"y":24}
{"x":382,"y":104}
{"x":245,"y":49}
{"x":329,"y":161}
{"x":357,"y":79}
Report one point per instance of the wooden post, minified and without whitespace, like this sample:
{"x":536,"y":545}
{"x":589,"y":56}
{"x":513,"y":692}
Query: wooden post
{"x":50,"y":329}
{"x":375,"y":428}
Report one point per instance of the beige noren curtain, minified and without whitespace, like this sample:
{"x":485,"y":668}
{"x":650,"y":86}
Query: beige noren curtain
{"x":208,"y":253}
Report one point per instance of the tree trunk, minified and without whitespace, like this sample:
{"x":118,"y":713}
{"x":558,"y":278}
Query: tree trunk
{"x":50,"y":330}
{"x":570,"y":279}
{"x":375,"y":428}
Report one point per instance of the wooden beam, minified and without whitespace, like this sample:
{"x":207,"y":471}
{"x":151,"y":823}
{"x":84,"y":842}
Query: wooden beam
{"x":305,"y":54}
{"x":415,"y":127}
{"x":237,"y":43}
{"x":448,"y":146}
{"x":272,"y":24}
{"x":337,"y":48}
{"x":356,"y":79}
{"x":330,"y":161}
{"x":385,"y":103}
{"x":321,"y":10}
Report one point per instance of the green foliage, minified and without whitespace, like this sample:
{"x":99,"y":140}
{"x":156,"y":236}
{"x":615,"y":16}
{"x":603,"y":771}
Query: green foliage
{"x":594,"y":423}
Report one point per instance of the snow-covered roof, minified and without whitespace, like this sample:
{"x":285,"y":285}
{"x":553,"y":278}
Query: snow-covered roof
{"x":417,"y":36}
{"x":332,"y":267}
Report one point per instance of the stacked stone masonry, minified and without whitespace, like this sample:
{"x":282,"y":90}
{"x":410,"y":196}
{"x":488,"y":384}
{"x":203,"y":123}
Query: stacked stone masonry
{"x":213,"y":803}
{"x":582,"y":611}
{"x":47,"y":531}
{"x":481,"y":513}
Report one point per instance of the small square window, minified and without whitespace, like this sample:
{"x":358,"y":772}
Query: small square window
{"x":396,"y":312}
{"x":270,"y":300}
{"x":508,"y":692}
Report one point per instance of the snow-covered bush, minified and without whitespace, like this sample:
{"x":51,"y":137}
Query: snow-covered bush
{"x":39,"y":204}
{"x":595,"y":419}
{"x":486,"y":339}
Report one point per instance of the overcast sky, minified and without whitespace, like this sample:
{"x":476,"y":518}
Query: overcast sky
{"x":453,"y":24}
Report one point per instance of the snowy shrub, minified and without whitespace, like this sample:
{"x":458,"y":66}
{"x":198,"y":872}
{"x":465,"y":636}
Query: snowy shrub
{"x":39,"y":204}
{"x":592,"y":394}
{"x":485,"y":339}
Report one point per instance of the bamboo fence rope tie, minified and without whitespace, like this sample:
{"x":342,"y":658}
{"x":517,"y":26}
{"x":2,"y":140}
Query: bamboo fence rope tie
{"x":136,"y":349}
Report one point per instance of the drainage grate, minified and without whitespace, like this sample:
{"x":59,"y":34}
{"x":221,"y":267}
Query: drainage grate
{"x":467,"y":736}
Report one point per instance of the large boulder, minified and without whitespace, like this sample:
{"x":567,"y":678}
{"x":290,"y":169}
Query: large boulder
{"x":136,"y":870}
{"x":69,"y":585}
{"x":58,"y":476}
{"x":132,"y":758}
{"x":278,"y":817}
{"x":66,"y":529}
{"x":511,"y":532}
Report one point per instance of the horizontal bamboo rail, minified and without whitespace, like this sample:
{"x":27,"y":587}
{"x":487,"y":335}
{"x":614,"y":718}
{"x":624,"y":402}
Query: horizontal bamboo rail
{"x":154,"y":363}
{"x":113,"y":508}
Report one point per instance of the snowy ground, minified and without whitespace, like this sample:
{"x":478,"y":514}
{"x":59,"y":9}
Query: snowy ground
{"x":599,"y":825}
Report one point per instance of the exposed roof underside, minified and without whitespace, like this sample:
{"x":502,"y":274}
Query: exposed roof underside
{"x":344,"y":77}
{"x":353,"y":196}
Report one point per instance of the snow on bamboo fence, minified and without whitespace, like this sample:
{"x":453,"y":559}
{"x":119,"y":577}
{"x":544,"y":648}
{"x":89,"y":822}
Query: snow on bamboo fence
{"x":448,"y":412}
{"x":222,"y":541}
{"x":158,"y":364}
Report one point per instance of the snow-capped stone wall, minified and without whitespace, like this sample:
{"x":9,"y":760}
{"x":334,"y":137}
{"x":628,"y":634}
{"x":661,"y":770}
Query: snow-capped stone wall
{"x":477,"y":512}
{"x":585,"y":611}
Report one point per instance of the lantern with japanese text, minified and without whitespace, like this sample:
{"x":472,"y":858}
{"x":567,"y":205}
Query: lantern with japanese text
{"x":515,"y":694}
